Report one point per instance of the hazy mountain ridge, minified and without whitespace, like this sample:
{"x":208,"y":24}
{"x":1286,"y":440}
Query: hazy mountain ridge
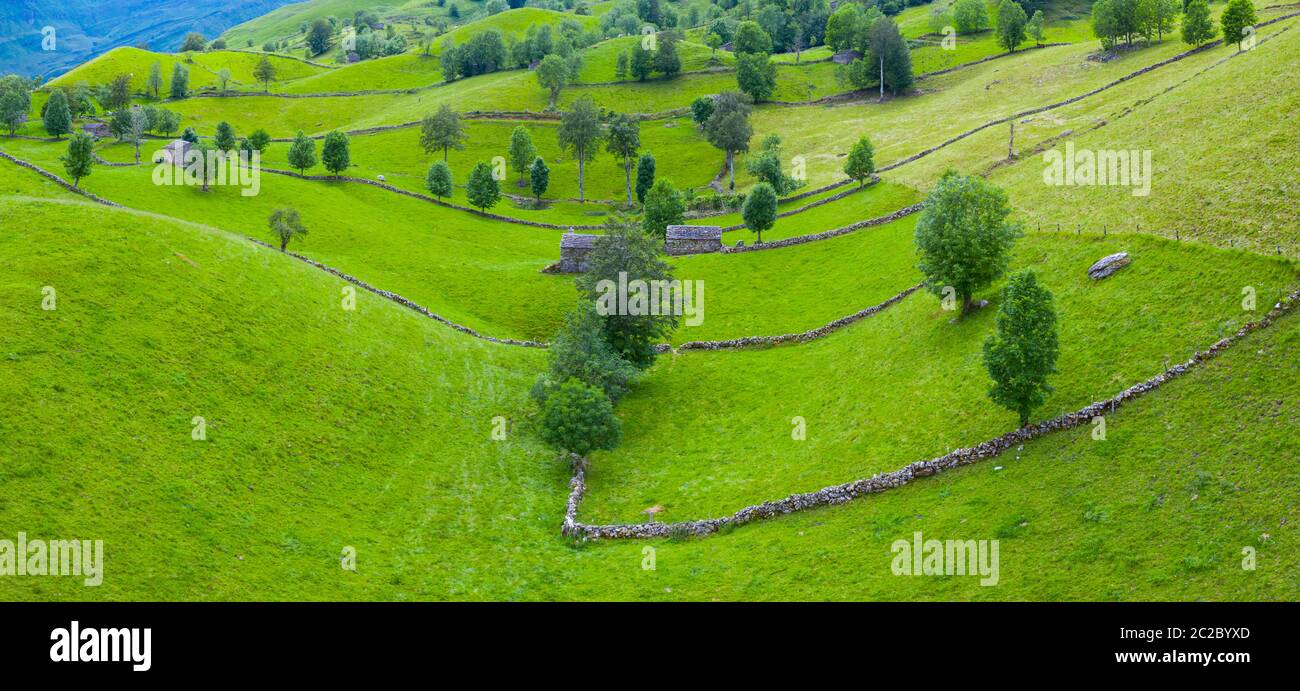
{"x":86,"y":28}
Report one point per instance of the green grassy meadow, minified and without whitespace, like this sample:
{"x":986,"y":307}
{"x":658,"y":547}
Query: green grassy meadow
{"x":335,"y":419}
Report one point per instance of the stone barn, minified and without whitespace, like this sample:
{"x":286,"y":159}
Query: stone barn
{"x":693,"y":239}
{"x":175,"y":151}
{"x":574,"y":248}
{"x":98,"y":130}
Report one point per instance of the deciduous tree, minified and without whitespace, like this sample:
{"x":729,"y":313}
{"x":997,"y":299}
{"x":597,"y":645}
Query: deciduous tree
{"x":335,"y":152}
{"x":482,"y":189}
{"x":624,"y":141}
{"x":1197,"y":25}
{"x":302,"y":153}
{"x":759,"y":209}
{"x":963,"y":237}
{"x":1021,"y":353}
{"x":581,"y":133}
{"x":442,"y":130}
{"x":645,"y":176}
{"x":58,"y":117}
{"x":861,"y":163}
{"x":438,"y":179}
{"x":286,"y":224}
{"x":80,"y":159}
{"x":664,"y":206}
{"x":539,"y":178}
{"x":728,"y":129}
{"x":579,"y":419}
{"x":1236,"y":17}
{"x":1011,"y":25}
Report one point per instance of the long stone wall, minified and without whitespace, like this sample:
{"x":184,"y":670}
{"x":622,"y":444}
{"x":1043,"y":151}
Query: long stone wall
{"x":394,"y":297}
{"x":827,"y":234}
{"x":427,"y":198}
{"x":839,"y":494}
{"x":58,"y":180}
{"x":801,"y":337}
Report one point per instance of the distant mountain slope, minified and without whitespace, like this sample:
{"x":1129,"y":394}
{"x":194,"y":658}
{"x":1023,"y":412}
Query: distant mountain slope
{"x":86,"y":28}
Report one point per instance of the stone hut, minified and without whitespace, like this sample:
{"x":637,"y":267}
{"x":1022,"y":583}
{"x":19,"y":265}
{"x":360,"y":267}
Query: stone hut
{"x":845,"y":57}
{"x":693,"y":239}
{"x":574,"y":248}
{"x":98,"y":130}
{"x":175,"y":152}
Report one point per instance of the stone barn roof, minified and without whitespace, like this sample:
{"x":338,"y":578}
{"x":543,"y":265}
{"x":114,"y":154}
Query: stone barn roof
{"x":845,"y":57}
{"x":577,"y":241}
{"x":174,"y":152}
{"x":694,"y":232}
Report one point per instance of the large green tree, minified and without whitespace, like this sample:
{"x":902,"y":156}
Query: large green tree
{"x":522,"y":151}
{"x":58,"y":116}
{"x":553,"y":74}
{"x":302,"y":153}
{"x":963,"y":237}
{"x":80,"y":159}
{"x":225,"y":138}
{"x":579,"y":351}
{"x":624,"y":141}
{"x":438,"y":179}
{"x":1012,"y":25}
{"x":482,"y":189}
{"x":889,"y":57}
{"x":645,"y":175}
{"x":1236,"y":17}
{"x":539,"y":178}
{"x":581,"y":133}
{"x":1021,"y":353}
{"x":1197,"y":25}
{"x":759,"y":209}
{"x":970,"y":16}
{"x":180,"y":82}
{"x":137,"y":125}
{"x":155,"y":81}
{"x":318,"y":36}
{"x":579,"y":419}
{"x":861,"y":163}
{"x":264,"y":72}
{"x":624,"y":248}
{"x":755,"y":75}
{"x":335,"y":152}
{"x":664,"y":206}
{"x":442,"y":130}
{"x":728,"y":129}
{"x":750,"y":38}
{"x":286,"y":224}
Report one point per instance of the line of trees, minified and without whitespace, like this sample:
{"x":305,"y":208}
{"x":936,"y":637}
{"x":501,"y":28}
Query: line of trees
{"x":1116,"y":21}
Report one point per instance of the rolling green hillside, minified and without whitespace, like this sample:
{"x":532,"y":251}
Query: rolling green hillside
{"x":348,"y":444}
{"x":231,"y":419}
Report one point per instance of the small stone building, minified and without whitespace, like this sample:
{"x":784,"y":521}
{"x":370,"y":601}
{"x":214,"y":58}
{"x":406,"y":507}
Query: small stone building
{"x":574,"y":248}
{"x":175,"y":152}
{"x":845,"y":57}
{"x":693,"y":239}
{"x":98,"y":130}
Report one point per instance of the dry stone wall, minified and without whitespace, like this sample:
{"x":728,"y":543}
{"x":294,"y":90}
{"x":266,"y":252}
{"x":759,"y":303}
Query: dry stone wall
{"x":409,"y":304}
{"x":59,"y":181}
{"x":827,"y":234}
{"x":427,"y":198}
{"x":801,"y":337}
{"x":839,"y":494}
